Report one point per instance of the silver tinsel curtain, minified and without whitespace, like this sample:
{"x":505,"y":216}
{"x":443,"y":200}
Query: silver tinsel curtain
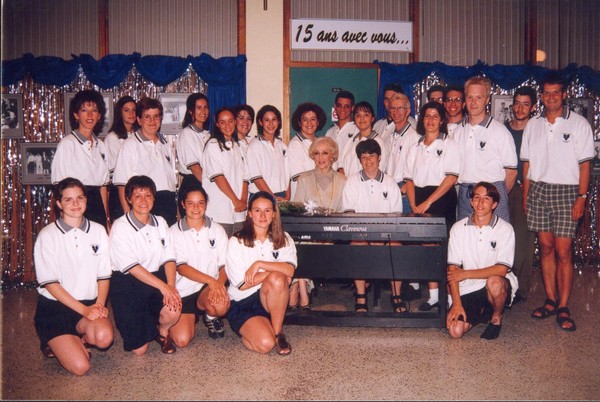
{"x":26,"y":209}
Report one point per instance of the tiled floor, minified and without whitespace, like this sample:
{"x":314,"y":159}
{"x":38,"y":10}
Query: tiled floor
{"x":530,"y":360}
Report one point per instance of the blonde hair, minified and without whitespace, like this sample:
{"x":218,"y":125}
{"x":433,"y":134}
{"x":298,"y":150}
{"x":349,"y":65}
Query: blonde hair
{"x":483,"y":81}
{"x":333,"y":147}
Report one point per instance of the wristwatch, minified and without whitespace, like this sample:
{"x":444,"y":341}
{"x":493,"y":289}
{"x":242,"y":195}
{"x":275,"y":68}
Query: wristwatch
{"x":584,"y":195}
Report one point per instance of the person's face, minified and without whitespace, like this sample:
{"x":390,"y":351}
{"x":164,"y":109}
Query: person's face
{"x":522,"y":107}
{"x":436,"y":96}
{"x":269,"y":123}
{"x":201,"y":112}
{"x":195,"y":205}
{"x":399,"y":111}
{"x":323,"y":157}
{"x":309,"y":123}
{"x":432,"y":121}
{"x":387,"y":98}
{"x":364,"y":121}
{"x":243,"y":123}
{"x":454,"y":104}
{"x":477,"y":99}
{"x":483,"y":205}
{"x":72,"y":203}
{"x":553,"y":97}
{"x":128,"y":113}
{"x":226,"y":123}
{"x":262,"y":213}
{"x":370,"y":162}
{"x":141,"y":201}
{"x":150,"y":122}
{"x":88,"y":116}
{"x":343,"y":109}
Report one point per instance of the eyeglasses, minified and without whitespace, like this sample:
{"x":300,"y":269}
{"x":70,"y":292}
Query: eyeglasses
{"x":453,"y":100}
{"x":399,"y":108}
{"x":438,"y":99}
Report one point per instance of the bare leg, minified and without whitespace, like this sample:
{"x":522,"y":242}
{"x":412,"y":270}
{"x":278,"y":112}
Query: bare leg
{"x":564,"y":275}
{"x":294,"y":290}
{"x":71,"y":353}
{"x":184,"y":331}
{"x":548,"y":259}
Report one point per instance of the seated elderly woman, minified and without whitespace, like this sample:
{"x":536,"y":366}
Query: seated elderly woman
{"x":323,"y":186}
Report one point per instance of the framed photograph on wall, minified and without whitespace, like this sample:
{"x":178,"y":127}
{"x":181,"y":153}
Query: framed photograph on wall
{"x":596,"y":160}
{"x":583,"y":107}
{"x":36,"y":159}
{"x":173,"y":112}
{"x":12,"y":116}
{"x":108,"y":102}
{"x":501,"y":108}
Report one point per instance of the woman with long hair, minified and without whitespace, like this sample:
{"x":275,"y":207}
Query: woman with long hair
{"x":261,"y":260}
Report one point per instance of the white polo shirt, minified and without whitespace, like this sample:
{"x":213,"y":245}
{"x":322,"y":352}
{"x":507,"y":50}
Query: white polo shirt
{"x":269,"y":162}
{"x":132,"y":243}
{"x":113,"y":144}
{"x":398,"y":145}
{"x":299,"y":161}
{"x":384,"y":124}
{"x":240,"y":257}
{"x":472,"y":247}
{"x":362,"y":194}
{"x":351,"y":163}
{"x":342,"y":135}
{"x":554,"y":151}
{"x":76,"y":258}
{"x":230,"y":164}
{"x":190,"y":147}
{"x":429,"y":165}
{"x":141,"y":156}
{"x":76,"y":157}
{"x":485,"y":150}
{"x":204,"y":250}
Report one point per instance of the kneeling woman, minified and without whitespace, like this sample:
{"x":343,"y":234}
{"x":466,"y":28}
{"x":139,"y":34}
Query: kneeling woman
{"x":261,"y":260}
{"x":201,"y":249}
{"x":145,"y":302}
{"x":71,"y":310}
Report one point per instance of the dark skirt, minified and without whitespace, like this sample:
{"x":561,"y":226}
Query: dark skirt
{"x":52,"y":319}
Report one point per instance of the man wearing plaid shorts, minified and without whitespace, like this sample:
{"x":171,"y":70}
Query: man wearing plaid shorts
{"x":557,"y":148}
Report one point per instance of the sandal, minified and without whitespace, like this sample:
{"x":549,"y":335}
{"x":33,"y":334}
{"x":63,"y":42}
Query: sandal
{"x":282,"y":346}
{"x":166,"y":344}
{"x":361,"y":307}
{"x":307,"y":307}
{"x":398,"y":306}
{"x":47,"y":351}
{"x":292,"y":308}
{"x":565,"y":319}
{"x":541,"y":313}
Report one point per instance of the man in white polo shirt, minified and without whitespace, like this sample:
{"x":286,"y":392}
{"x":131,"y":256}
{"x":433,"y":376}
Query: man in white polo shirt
{"x":481,"y":249}
{"x":557,"y":149}
{"x":486,"y":149}
{"x":344,"y":129}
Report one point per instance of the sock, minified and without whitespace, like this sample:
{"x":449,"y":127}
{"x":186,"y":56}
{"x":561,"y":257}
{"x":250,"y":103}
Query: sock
{"x":210,"y":317}
{"x":415,"y":285}
{"x":433,"y":296}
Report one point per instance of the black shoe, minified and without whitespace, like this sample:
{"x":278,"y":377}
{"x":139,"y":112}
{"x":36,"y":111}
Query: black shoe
{"x":426,"y":306}
{"x":519,"y":299}
{"x":409,"y":293}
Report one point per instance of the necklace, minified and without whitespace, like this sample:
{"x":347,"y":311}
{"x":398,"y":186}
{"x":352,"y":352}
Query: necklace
{"x":319,"y":192}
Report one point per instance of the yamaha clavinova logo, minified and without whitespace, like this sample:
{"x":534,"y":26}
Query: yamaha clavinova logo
{"x":344,"y":228}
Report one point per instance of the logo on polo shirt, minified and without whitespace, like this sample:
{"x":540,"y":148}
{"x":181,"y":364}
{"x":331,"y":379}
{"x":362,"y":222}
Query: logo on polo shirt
{"x":566,"y":137}
{"x":284,"y":152}
{"x":275,"y":254}
{"x":438,"y":153}
{"x":212,"y":243}
{"x":163,"y":242}
{"x":168,"y":158}
{"x":493,"y":244}
{"x":482,"y":145}
{"x":95,"y":248}
{"x":385,"y":195}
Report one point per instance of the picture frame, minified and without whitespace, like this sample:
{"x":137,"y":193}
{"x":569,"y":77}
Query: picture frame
{"x":174,"y":107}
{"x":108,"y":102}
{"x":583,"y":107}
{"x":502,"y":108}
{"x":36,"y":159}
{"x":596,"y":160}
{"x":12,"y":116}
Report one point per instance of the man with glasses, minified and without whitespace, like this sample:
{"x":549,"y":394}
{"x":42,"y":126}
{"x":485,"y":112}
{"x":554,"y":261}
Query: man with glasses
{"x":557,"y":148}
{"x":486,"y":149}
{"x":436,"y":93}
{"x":523,"y":106}
{"x":385,"y":125}
{"x":454,"y":103}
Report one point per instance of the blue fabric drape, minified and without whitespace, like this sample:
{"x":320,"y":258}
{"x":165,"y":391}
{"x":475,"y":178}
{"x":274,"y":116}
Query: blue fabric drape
{"x":226,"y":76}
{"x":507,"y":77}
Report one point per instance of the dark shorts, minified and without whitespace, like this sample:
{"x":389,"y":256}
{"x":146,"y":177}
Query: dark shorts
{"x":549,"y":208}
{"x":445,"y":206}
{"x":52,"y":319}
{"x":477,"y":306}
{"x":136,"y":308}
{"x":241,"y":311}
{"x":189,"y":305}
